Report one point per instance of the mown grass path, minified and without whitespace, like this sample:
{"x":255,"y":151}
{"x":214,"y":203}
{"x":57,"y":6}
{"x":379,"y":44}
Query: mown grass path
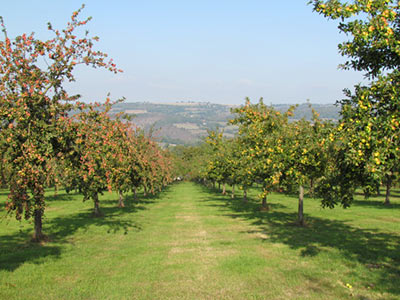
{"x":193,"y":243}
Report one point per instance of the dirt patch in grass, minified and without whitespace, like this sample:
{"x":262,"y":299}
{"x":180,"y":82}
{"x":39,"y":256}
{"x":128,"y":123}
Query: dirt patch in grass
{"x":187,"y":218}
{"x":258,"y":234}
{"x":67,"y":278}
{"x":390,"y":219}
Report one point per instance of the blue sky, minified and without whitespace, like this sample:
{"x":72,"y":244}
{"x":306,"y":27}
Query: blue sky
{"x":217,"y":51}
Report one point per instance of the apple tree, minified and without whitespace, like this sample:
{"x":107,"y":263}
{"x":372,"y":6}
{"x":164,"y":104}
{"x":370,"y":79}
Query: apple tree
{"x":304,"y":156}
{"x":32,"y":99}
{"x":370,"y":114}
{"x":260,"y":130}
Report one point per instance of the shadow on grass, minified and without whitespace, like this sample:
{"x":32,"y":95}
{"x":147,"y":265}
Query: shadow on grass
{"x":394,"y":193}
{"x":61,"y":228}
{"x":62,"y":196}
{"x":130,"y":201}
{"x":375,"y":204}
{"x":373,"y":248}
{"x":237,"y":204}
{"x":16,"y":249}
{"x":4,"y":192}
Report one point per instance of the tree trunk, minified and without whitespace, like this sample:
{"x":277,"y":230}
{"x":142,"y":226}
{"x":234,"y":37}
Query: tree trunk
{"x":96,"y":201}
{"x":213,"y":183}
{"x":224,"y":189}
{"x":244,"y":195}
{"x":312,"y":187}
{"x":219,"y":186}
{"x":388,"y":187}
{"x":300,"y":219}
{"x":121,"y":200}
{"x":135,"y":194}
{"x":264,"y":204}
{"x":144,"y":191}
{"x":38,"y":236}
{"x":378,"y":189}
{"x":3,"y":180}
{"x":367,"y":193}
{"x":233,"y":191}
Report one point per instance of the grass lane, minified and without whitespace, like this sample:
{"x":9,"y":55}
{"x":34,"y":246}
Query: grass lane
{"x":192,"y":243}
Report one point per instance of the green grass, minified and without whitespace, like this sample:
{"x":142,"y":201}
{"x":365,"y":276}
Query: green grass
{"x":190,"y":242}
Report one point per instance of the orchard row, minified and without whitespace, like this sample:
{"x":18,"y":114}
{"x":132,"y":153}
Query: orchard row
{"x":48,"y":138}
{"x":362,"y":150}
{"x":290,"y":156}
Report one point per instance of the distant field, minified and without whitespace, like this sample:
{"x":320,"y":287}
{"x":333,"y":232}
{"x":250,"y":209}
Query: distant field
{"x":136,"y":111}
{"x":193,"y":243}
{"x":189,"y":126}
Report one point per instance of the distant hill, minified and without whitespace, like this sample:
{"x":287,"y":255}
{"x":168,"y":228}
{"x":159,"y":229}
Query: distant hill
{"x":326,"y":111}
{"x":188,"y":122}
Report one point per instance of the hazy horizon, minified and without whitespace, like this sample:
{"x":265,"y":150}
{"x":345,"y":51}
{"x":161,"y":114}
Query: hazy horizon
{"x":185,"y":102}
